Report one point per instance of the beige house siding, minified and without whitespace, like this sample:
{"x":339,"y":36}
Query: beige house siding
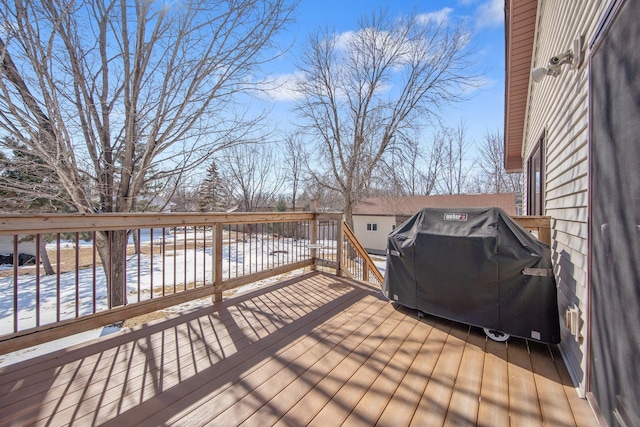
{"x":373,"y":241}
{"x":559,"y":107}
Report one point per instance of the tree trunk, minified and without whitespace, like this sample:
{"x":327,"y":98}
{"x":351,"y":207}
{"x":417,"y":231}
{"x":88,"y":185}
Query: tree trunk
{"x":351,"y":252}
{"x":112,"y":249}
{"x":136,"y":242}
{"x":44,"y":257}
{"x":348,"y":210}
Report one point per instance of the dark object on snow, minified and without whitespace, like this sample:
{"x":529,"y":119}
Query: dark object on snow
{"x":23,"y":259}
{"x":476,"y":266}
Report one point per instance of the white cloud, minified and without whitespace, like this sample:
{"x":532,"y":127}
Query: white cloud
{"x":490,"y":14}
{"x":343,"y":39}
{"x":282,"y":87}
{"x":439,"y":16}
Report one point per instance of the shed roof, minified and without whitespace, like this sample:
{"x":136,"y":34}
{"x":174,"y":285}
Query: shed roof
{"x":389,"y":206}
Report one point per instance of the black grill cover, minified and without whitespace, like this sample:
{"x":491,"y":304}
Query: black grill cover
{"x":475,"y":266}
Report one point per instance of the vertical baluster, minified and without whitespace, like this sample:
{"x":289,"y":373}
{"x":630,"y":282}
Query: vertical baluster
{"x":195,"y":255}
{"x":37,"y":272}
{"x":175,"y":258}
{"x":164,"y":260}
{"x":204,"y":255}
{"x":139,"y":262}
{"x":77,"y":270}
{"x":94,"y":256}
{"x":151,"y":261}
{"x":184,"y":264}
{"x":15,"y":283}
{"x":58,"y":277}
{"x":250,"y":250}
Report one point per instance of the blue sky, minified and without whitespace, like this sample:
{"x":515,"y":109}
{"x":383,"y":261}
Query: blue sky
{"x":485,"y":18}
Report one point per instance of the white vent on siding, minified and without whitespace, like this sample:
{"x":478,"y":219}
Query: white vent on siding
{"x":572,"y":321}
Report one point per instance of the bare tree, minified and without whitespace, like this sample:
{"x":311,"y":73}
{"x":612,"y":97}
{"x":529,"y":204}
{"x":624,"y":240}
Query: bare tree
{"x":455,"y":165}
{"x":185,"y":198}
{"x":103,"y":90}
{"x":252,"y":176}
{"x":413,"y":168}
{"x":295,"y":157}
{"x":360,"y":92}
{"x":494,"y":177}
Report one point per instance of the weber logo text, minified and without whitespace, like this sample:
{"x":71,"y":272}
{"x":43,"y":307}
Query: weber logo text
{"x":455,"y":217}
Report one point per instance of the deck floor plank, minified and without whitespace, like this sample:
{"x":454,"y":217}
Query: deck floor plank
{"x":433,"y":407}
{"x":144,"y":383}
{"x":493,"y":409}
{"x":463,"y":407}
{"x":369,"y":409}
{"x":524,"y":404}
{"x":189,"y":393}
{"x":284,"y":368}
{"x":580,"y":415}
{"x":354,"y":388}
{"x":315,"y":364}
{"x":118,"y":369}
{"x":554,"y":405}
{"x":311,"y":404}
{"x":314,"y":349}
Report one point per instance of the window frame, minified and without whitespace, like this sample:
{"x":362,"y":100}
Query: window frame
{"x":536,"y":179}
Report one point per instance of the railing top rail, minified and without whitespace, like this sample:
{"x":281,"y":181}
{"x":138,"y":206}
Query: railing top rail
{"x":48,"y":223}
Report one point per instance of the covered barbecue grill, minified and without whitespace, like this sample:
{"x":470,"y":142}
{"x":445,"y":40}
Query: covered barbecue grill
{"x":476,"y":266}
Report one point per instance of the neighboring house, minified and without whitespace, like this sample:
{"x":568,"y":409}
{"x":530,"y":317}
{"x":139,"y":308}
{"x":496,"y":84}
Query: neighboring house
{"x":375,"y":217}
{"x":575,"y":137}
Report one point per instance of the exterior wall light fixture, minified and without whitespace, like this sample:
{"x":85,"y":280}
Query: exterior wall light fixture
{"x":573,"y":57}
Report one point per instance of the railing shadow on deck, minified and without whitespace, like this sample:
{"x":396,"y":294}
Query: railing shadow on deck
{"x":111,"y":360}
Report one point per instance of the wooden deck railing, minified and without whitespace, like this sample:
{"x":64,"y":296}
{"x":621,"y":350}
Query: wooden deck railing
{"x":539,"y":226}
{"x":90,"y":271}
{"x":356,"y":262}
{"x":82,"y":278}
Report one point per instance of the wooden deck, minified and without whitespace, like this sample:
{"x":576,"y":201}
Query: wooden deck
{"x":317,"y":350}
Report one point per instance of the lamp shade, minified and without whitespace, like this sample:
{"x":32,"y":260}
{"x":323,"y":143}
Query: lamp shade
{"x":537,"y":74}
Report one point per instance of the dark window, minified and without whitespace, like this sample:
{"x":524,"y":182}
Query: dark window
{"x":372,"y":227}
{"x":535,"y":180}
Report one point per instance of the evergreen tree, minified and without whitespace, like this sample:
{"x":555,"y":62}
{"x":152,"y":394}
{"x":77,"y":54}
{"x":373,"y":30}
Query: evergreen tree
{"x":212,"y":192}
{"x":281,"y":205}
{"x":28,"y":185}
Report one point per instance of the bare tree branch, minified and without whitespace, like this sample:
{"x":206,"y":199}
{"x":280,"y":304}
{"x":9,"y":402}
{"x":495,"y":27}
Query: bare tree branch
{"x":107,"y":94}
{"x":493,"y":177}
{"x":361,"y":91}
{"x":252,"y":175}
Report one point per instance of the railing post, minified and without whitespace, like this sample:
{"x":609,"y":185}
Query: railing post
{"x":313,"y":235}
{"x":365,"y":270}
{"x":217,"y":260}
{"x":544,"y":233}
{"x":339,"y":245}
